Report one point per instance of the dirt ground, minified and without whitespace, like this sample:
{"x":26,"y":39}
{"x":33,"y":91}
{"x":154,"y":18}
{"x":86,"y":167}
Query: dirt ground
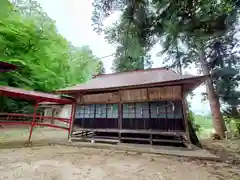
{"x":228,"y":150}
{"x":60,"y":162}
{"x":70,"y":163}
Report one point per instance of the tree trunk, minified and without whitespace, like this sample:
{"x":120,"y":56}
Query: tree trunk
{"x":234,"y":112}
{"x":218,"y":122}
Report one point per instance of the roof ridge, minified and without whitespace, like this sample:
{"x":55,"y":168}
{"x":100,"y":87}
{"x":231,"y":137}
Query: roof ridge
{"x":153,"y":75}
{"x":140,"y":70}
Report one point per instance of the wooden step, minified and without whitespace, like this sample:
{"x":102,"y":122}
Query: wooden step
{"x":167,"y":140}
{"x":134,"y":138}
{"x":95,"y":140}
{"x":83,"y":134}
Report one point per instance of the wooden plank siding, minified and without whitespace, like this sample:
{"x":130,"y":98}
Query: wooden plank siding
{"x":165,"y":93}
{"x":111,"y":97}
{"x":133,"y":95}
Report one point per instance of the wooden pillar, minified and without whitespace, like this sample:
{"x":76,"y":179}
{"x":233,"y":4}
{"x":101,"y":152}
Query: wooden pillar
{"x":120,"y":116}
{"x":72,"y":118}
{"x":151,"y":139}
{"x":53,"y":113}
{"x":33,"y":122}
{"x":184,"y":109}
{"x":149,"y":118}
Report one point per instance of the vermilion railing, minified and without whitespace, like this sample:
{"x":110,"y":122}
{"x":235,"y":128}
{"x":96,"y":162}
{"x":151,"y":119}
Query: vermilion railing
{"x":34,"y":119}
{"x":10,"y":115}
{"x":18,"y":119}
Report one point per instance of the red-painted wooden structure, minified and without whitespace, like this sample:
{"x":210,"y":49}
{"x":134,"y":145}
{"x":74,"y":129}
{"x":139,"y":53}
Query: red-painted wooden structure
{"x":37,"y":97}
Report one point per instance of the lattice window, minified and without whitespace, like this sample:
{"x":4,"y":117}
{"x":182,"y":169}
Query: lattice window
{"x":100,"y":111}
{"x":158,"y":109}
{"x":178,"y":114}
{"x":129,"y":111}
{"x":112,"y":111}
{"x":142,"y":110}
{"x":79,"y":112}
{"x":91,"y":110}
{"x":86,"y":111}
{"x":170,"y":107}
{"x":166,"y":109}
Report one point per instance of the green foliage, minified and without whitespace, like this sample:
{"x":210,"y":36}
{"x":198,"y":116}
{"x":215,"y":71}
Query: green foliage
{"x":205,"y":124}
{"x":143,"y":23}
{"x":100,"y":68}
{"x":206,"y":127}
{"x":203,"y":121}
{"x":233,"y":123}
{"x":238,"y":126}
{"x":191,"y":117}
{"x":225,"y":69}
{"x":46,"y":60}
{"x":5,"y":8}
{"x":130,"y":34}
{"x":231,"y":114}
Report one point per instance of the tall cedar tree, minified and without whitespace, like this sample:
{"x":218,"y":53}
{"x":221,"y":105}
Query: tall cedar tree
{"x":192,"y":21}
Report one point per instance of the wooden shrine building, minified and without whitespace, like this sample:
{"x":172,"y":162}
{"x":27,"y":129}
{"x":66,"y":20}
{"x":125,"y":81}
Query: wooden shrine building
{"x":147,"y":105}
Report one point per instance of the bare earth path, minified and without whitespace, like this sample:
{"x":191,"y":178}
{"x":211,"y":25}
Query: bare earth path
{"x":70,"y":163}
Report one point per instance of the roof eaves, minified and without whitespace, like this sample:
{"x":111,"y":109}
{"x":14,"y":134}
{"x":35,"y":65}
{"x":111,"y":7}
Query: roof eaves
{"x":139,"y":85}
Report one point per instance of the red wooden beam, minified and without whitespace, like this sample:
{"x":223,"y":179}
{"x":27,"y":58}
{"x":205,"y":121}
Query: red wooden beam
{"x":51,"y":125}
{"x":36,"y":124}
{"x":35,"y":116}
{"x":33,"y":95}
{"x":38,"y":116}
{"x":33,"y":122}
{"x":15,"y":122}
{"x":73,"y":110}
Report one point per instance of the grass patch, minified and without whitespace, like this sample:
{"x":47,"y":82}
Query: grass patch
{"x":204,"y":121}
{"x":206,"y":126}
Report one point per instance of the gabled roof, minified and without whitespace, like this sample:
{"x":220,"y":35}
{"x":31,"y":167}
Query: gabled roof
{"x":128,"y":79}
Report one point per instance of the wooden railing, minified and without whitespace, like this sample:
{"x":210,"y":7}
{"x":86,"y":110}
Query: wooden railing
{"x":27,"y":119}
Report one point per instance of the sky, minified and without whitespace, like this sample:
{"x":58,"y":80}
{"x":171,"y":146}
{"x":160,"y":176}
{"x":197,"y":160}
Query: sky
{"x":73,"y":21}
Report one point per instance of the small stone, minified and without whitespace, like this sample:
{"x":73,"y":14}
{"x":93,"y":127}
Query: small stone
{"x":152,"y":159}
{"x":140,"y":170}
{"x":138,"y":153}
